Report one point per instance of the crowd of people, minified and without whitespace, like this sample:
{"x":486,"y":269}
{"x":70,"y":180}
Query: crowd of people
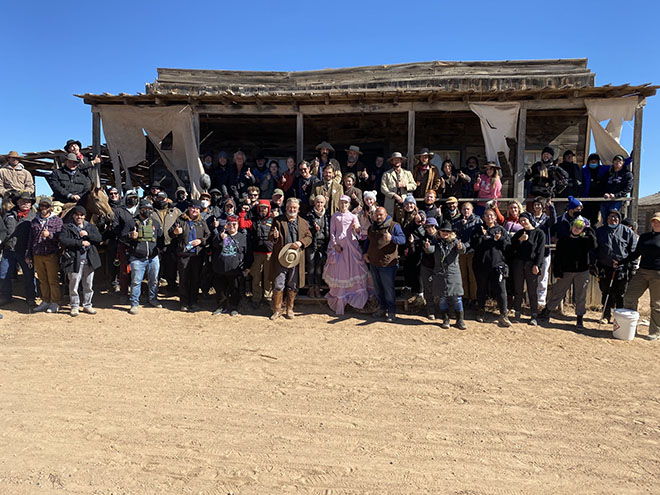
{"x":261,"y":232}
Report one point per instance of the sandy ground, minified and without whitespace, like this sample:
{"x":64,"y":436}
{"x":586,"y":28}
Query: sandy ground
{"x":165,"y":402}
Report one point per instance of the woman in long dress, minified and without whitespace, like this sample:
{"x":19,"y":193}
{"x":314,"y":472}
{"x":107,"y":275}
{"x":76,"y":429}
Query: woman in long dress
{"x":345,"y":272}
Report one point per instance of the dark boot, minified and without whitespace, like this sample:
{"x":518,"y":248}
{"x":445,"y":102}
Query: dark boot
{"x":277,"y":304}
{"x":460,"y":322}
{"x":580,"y":322}
{"x":290,"y":298}
{"x":445,"y":319}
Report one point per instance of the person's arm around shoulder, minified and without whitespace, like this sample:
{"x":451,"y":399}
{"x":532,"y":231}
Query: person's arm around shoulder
{"x":398,"y":237}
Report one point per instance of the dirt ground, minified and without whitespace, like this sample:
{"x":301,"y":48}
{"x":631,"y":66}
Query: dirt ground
{"x":165,"y":402}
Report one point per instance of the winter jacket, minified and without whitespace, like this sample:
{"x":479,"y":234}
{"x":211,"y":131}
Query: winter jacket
{"x":446,"y":270}
{"x":332,"y":192}
{"x":562,"y":227}
{"x":614,"y":244}
{"x":427,"y":179}
{"x":166,"y":217}
{"x":37,"y":243}
{"x":533,"y":249}
{"x":231,"y":254}
{"x":259,"y":232}
{"x":464,"y":228}
{"x":574,"y":180}
{"x":18,"y":231}
{"x":15,"y":179}
{"x":452,"y":184}
{"x":73,"y":249}
{"x":304,"y":188}
{"x":488,"y":252}
{"x":150,"y":238}
{"x":192,"y":229}
{"x":238,"y":182}
{"x":619,"y":183}
{"x":573,"y":253}
{"x":467,"y":189}
{"x":66,"y":184}
{"x":3,"y":233}
{"x":594,"y":181}
{"x":648,"y":247}
{"x":321,"y":236}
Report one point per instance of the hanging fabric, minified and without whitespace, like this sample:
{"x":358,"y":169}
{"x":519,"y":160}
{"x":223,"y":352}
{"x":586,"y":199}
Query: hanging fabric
{"x":616,"y":110}
{"x":499,"y":121}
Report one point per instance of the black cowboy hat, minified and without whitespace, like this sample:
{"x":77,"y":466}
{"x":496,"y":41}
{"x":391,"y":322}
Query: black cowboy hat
{"x":72,"y":141}
{"x":23,"y":195}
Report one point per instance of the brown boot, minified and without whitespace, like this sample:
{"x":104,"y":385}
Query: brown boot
{"x":277,"y":304}
{"x":290,"y":298}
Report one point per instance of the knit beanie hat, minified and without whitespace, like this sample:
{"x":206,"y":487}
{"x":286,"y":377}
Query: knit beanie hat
{"x":573,"y":203}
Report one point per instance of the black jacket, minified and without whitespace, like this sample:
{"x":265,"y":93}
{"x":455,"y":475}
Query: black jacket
{"x":231,"y":254}
{"x":533,"y":249}
{"x":143,"y":248}
{"x":619,"y":183}
{"x":65,"y":185}
{"x":488,"y":252}
{"x":573,"y":253}
{"x":17,"y":232}
{"x":202,"y":233}
{"x":321,"y":236}
{"x":73,"y":249}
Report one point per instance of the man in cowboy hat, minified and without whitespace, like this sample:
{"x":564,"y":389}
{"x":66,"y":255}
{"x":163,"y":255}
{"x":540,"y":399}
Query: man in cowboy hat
{"x":323,"y":160}
{"x":17,"y":221}
{"x":396,"y":184}
{"x":427,"y":175}
{"x":292,"y":232}
{"x":353,"y":164}
{"x":14,"y":178}
{"x":74,"y":146}
{"x":68,"y":183}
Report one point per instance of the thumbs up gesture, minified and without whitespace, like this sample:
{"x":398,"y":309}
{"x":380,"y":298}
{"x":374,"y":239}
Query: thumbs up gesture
{"x":276,"y":233}
{"x":524,"y":237}
{"x":134,"y":233}
{"x":45,"y":234}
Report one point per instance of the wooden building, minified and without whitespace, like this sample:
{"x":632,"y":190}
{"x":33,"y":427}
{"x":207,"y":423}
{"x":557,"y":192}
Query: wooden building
{"x":380,"y":108}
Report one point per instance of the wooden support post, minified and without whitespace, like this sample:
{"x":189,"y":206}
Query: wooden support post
{"x":299,"y":136}
{"x":637,"y":157}
{"x":96,"y":131}
{"x":587,"y":139}
{"x":196,"y":128}
{"x":411,"y":139}
{"x":519,"y":177}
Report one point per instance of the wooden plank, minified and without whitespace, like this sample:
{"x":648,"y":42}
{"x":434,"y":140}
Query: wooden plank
{"x":411,"y":139}
{"x":637,"y":157}
{"x":96,"y":131}
{"x":587,"y":139}
{"x":300,"y":138}
{"x":519,"y":178}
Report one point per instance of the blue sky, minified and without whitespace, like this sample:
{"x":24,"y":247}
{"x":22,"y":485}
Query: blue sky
{"x":51,"y":50}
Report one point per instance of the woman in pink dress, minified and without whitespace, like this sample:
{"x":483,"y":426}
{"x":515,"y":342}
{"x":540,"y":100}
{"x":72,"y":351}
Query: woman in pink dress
{"x":345,"y":272}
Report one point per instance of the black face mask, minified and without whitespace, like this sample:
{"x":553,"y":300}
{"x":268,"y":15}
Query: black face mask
{"x":180,"y":197}
{"x":131,"y":202}
{"x":145,"y":214}
{"x":160,"y":204}
{"x":113,"y":202}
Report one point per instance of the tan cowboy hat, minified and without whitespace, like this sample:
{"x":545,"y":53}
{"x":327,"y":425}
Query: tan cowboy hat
{"x":656,"y":216}
{"x":13,"y":154}
{"x":324,"y":144}
{"x":425,"y":151}
{"x":289,"y":256}
{"x":396,"y":154}
{"x":352,"y":147}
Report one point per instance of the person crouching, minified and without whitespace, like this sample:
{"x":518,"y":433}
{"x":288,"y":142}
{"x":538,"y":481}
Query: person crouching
{"x":447,"y":280}
{"x":230,"y":259}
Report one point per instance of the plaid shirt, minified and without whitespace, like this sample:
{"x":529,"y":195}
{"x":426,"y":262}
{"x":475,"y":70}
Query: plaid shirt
{"x":44,"y":246}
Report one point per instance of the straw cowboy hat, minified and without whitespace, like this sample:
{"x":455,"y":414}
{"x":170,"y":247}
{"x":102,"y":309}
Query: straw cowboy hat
{"x":396,"y":154}
{"x":289,"y":256}
{"x":324,"y":144}
{"x":352,"y":147}
{"x":13,"y":154}
{"x":425,"y":151}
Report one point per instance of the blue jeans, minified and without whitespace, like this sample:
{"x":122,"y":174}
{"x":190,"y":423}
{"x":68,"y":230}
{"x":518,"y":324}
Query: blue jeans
{"x":456,"y":303}
{"x":8,"y":271}
{"x":138,"y":267}
{"x":384,"y":285}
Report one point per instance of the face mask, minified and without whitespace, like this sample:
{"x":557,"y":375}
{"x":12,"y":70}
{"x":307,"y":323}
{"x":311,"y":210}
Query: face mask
{"x":180,"y":197}
{"x":113,"y":202}
{"x":613,"y":226}
{"x":132,"y":201}
{"x":205,"y":203}
{"x":160,"y":204}
{"x":593,"y":165}
{"x":145,"y":213}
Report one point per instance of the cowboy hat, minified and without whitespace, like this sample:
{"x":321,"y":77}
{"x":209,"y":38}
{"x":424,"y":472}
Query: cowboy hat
{"x":396,"y":154}
{"x":23,"y":195}
{"x":424,"y":151}
{"x":13,"y":154}
{"x":324,"y":144}
{"x":352,"y":147}
{"x":493,"y":164}
{"x":289,"y":256}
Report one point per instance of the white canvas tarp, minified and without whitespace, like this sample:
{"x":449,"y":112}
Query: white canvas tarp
{"x":125,"y":126}
{"x":498,"y":122}
{"x":607,"y":139}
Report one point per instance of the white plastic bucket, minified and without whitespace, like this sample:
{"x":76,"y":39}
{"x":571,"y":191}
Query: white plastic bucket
{"x":625,"y":323}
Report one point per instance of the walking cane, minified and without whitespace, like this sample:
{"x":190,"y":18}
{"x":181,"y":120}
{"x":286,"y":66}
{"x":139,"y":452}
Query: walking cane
{"x":607,"y":297}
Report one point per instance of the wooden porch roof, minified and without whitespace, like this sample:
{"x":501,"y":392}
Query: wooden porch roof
{"x":424,"y":81}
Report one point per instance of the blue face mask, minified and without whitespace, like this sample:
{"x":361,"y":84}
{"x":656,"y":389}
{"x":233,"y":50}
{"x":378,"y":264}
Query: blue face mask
{"x":613,"y":226}
{"x":593,"y":165}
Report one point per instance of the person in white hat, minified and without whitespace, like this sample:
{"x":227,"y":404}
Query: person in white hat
{"x":395,"y":185}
